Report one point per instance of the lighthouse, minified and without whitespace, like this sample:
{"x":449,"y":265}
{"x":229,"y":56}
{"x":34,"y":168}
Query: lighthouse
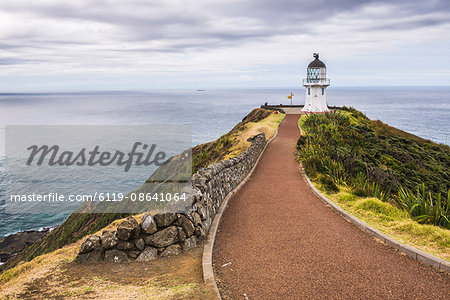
{"x":316,"y":83}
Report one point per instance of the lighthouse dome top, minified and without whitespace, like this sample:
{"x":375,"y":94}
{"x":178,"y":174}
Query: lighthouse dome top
{"x":316,"y":63}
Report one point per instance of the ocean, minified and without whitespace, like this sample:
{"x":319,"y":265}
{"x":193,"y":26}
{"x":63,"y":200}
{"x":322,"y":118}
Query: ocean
{"x":423,"y":111}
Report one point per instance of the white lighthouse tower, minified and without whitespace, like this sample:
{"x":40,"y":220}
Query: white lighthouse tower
{"x":316,"y":83}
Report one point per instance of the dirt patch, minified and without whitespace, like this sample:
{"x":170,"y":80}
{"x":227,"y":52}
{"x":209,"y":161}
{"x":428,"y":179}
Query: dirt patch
{"x":187,"y":266}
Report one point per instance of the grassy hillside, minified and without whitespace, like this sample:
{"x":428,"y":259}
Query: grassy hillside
{"x":395,"y":181}
{"x":235,"y":141}
{"x":83,"y":223}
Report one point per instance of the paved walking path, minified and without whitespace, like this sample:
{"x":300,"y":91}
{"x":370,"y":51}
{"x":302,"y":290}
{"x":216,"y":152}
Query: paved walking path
{"x":283,"y":242}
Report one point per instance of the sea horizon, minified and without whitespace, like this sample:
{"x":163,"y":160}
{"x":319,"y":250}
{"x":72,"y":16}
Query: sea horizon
{"x":204,"y":88}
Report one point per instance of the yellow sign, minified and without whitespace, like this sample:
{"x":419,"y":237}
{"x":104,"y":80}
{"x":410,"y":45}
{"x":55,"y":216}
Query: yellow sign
{"x":289,"y":97}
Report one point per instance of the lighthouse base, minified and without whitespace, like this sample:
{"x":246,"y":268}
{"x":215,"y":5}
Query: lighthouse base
{"x":316,"y":99}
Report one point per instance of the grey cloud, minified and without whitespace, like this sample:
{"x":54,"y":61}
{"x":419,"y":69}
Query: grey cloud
{"x":406,"y":25}
{"x":201,"y":27}
{"x":17,"y":61}
{"x":274,"y":17}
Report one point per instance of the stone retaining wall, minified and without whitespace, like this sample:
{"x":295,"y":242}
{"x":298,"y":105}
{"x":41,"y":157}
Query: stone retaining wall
{"x":168,"y":233}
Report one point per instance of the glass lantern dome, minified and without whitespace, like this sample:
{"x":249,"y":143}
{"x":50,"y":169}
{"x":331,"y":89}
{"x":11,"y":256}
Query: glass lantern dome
{"x":316,"y":72}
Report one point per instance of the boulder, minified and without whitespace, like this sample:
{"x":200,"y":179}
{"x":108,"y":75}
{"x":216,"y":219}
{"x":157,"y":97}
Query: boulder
{"x":201,"y":209}
{"x":178,"y":221}
{"x":148,"y":254}
{"x":116,"y":256}
{"x":190,"y":243}
{"x":200,"y":183}
{"x":196,"y":219}
{"x":181,"y":234}
{"x":125,"y":245}
{"x":109,"y":239}
{"x":187,"y":226}
{"x":95,"y":255}
{"x":200,"y":232}
{"x":140,"y":244}
{"x":91,"y":243}
{"x":163,"y":238}
{"x":164,"y":219}
{"x":148,"y":225}
{"x":128,"y":229}
{"x":133,"y":253}
{"x":171,"y":250}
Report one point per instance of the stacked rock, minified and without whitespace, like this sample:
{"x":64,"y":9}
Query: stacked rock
{"x":163,"y":234}
{"x":168,"y":233}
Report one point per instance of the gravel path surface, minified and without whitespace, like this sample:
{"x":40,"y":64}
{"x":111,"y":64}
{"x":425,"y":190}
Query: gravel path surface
{"x":283,"y":242}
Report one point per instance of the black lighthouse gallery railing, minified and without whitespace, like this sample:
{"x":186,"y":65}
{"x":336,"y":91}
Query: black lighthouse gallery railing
{"x":322,"y":81}
{"x":280,"y":107}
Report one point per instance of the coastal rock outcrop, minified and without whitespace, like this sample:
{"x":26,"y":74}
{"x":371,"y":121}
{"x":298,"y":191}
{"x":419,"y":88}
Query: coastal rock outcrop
{"x":16,"y":243}
{"x":180,"y":227}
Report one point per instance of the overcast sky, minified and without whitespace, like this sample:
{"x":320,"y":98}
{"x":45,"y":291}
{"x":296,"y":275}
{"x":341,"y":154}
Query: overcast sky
{"x":164,"y":44}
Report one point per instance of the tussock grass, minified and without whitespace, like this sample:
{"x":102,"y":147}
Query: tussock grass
{"x":393,"y":221}
{"x":423,"y":207}
{"x":267,"y":126}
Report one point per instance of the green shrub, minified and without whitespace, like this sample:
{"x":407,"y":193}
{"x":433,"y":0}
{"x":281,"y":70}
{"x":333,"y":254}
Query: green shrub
{"x":310,"y":166}
{"x":328,"y":184}
{"x":376,"y":160}
{"x":225,"y":140}
{"x":301,"y":141}
{"x":358,"y":166}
